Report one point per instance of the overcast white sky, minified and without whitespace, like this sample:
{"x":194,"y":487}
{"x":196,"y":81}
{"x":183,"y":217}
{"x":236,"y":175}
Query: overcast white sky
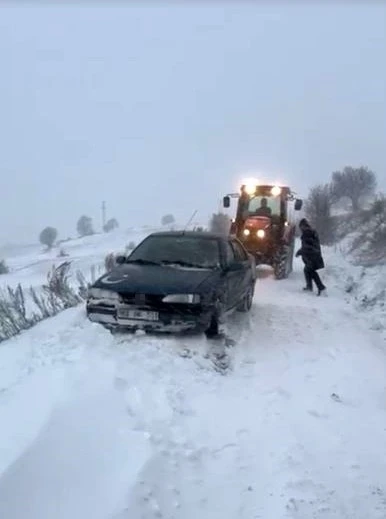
{"x":165,"y":109}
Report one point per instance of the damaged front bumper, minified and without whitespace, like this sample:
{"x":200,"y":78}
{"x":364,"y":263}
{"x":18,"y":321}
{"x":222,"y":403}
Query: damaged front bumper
{"x":150,"y":319}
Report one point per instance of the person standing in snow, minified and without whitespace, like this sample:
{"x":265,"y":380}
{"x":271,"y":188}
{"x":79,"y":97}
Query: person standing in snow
{"x":311,"y":254}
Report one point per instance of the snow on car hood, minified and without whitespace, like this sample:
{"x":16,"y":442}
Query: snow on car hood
{"x":156,"y":279}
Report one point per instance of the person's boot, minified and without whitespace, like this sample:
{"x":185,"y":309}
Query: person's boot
{"x":307,"y":289}
{"x":321,"y":289}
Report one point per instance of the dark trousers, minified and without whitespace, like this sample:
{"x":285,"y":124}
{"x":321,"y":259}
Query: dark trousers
{"x":310,"y":276}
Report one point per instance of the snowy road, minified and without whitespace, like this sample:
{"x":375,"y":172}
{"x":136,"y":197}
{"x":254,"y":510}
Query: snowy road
{"x":113,"y":428}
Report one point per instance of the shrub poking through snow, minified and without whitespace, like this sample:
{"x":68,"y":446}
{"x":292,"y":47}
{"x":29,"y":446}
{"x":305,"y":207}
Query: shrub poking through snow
{"x":3,"y":267}
{"x":21,"y":309}
{"x":109,"y":262}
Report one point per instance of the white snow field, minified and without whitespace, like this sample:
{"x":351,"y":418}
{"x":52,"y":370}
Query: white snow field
{"x":29,"y":265}
{"x":291,"y":425}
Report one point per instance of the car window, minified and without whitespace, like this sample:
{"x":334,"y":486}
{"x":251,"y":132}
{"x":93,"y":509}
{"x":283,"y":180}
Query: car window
{"x":264,"y":205}
{"x":201,"y":252}
{"x":240,"y":253}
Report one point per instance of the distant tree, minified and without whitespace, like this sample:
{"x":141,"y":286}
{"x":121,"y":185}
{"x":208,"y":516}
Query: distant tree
{"x":130,"y":246}
{"x":168,"y":219}
{"x":353,"y":183}
{"x":318,"y":211}
{"x":110,"y":225}
{"x":84,"y":226}
{"x":220,"y":223}
{"x":3,"y":267}
{"x":48,"y":236}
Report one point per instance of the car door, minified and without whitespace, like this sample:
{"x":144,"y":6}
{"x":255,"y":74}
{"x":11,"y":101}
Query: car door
{"x":244,"y":275}
{"x":232,"y":278}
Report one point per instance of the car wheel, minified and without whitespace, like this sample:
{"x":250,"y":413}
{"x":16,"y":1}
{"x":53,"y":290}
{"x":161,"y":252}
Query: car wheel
{"x":246,"y":303}
{"x":213,"y":328}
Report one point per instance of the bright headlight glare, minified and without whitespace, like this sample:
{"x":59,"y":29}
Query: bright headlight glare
{"x":182,"y":298}
{"x":276,"y":190}
{"x":246,"y":232}
{"x":250,"y":189}
{"x":100,"y":293}
{"x":260,"y":233}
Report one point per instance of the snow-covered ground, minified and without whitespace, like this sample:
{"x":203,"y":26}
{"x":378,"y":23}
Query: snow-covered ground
{"x":363,"y":287}
{"x":29,"y":265}
{"x":294,"y":425}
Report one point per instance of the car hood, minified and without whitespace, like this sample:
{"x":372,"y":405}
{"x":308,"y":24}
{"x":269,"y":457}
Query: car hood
{"x":154,"y":279}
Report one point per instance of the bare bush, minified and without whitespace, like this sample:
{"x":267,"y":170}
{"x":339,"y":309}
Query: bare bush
{"x":52,"y":298}
{"x":62,"y":253}
{"x":369,"y":246}
{"x":109,"y":262}
{"x":59,"y":287}
{"x":3,"y":267}
{"x":353,"y":183}
{"x":318,"y":211}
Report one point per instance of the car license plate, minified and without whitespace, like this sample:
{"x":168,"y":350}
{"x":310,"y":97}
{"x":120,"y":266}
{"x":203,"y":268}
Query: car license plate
{"x":140,"y":315}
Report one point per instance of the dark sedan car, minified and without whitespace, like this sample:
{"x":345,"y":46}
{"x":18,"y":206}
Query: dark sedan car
{"x":174,"y":282}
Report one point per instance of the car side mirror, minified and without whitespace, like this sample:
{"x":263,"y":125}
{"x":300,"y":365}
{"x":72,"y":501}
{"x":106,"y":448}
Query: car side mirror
{"x":298,"y":204}
{"x":226,"y":201}
{"x":119,"y":260}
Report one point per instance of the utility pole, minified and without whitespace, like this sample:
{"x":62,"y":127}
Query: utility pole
{"x":103,"y":214}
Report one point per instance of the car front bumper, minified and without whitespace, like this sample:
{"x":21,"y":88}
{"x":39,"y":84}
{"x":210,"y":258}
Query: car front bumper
{"x":168,"y":320}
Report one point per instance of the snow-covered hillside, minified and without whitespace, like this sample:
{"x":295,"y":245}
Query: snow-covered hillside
{"x":30,"y":265}
{"x":284,"y":418}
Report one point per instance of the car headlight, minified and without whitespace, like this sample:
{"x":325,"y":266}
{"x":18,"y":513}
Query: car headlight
{"x":246,"y":232}
{"x":100,"y":293}
{"x":260,"y":233}
{"x":182,"y":298}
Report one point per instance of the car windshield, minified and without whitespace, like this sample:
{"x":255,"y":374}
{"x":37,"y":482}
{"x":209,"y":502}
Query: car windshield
{"x":179,"y":250}
{"x":263,"y":206}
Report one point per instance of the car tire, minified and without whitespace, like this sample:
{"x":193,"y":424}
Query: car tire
{"x":246,"y":303}
{"x":213,"y":328}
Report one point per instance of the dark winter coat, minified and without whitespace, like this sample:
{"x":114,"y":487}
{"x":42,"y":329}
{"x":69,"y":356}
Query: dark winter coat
{"x":310,"y":250}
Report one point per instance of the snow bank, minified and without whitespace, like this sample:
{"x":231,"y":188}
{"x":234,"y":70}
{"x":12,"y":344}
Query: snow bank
{"x":365,"y":287}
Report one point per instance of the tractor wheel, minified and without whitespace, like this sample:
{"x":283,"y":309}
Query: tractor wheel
{"x":282,"y":265}
{"x":291,"y":252}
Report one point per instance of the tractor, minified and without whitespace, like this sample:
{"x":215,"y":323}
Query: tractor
{"x":265,"y":224}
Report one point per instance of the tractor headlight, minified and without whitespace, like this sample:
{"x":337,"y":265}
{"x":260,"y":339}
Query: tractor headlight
{"x":182,"y":298}
{"x":246,"y":232}
{"x":260,"y":233}
{"x":276,"y":190}
{"x":100,"y":293}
